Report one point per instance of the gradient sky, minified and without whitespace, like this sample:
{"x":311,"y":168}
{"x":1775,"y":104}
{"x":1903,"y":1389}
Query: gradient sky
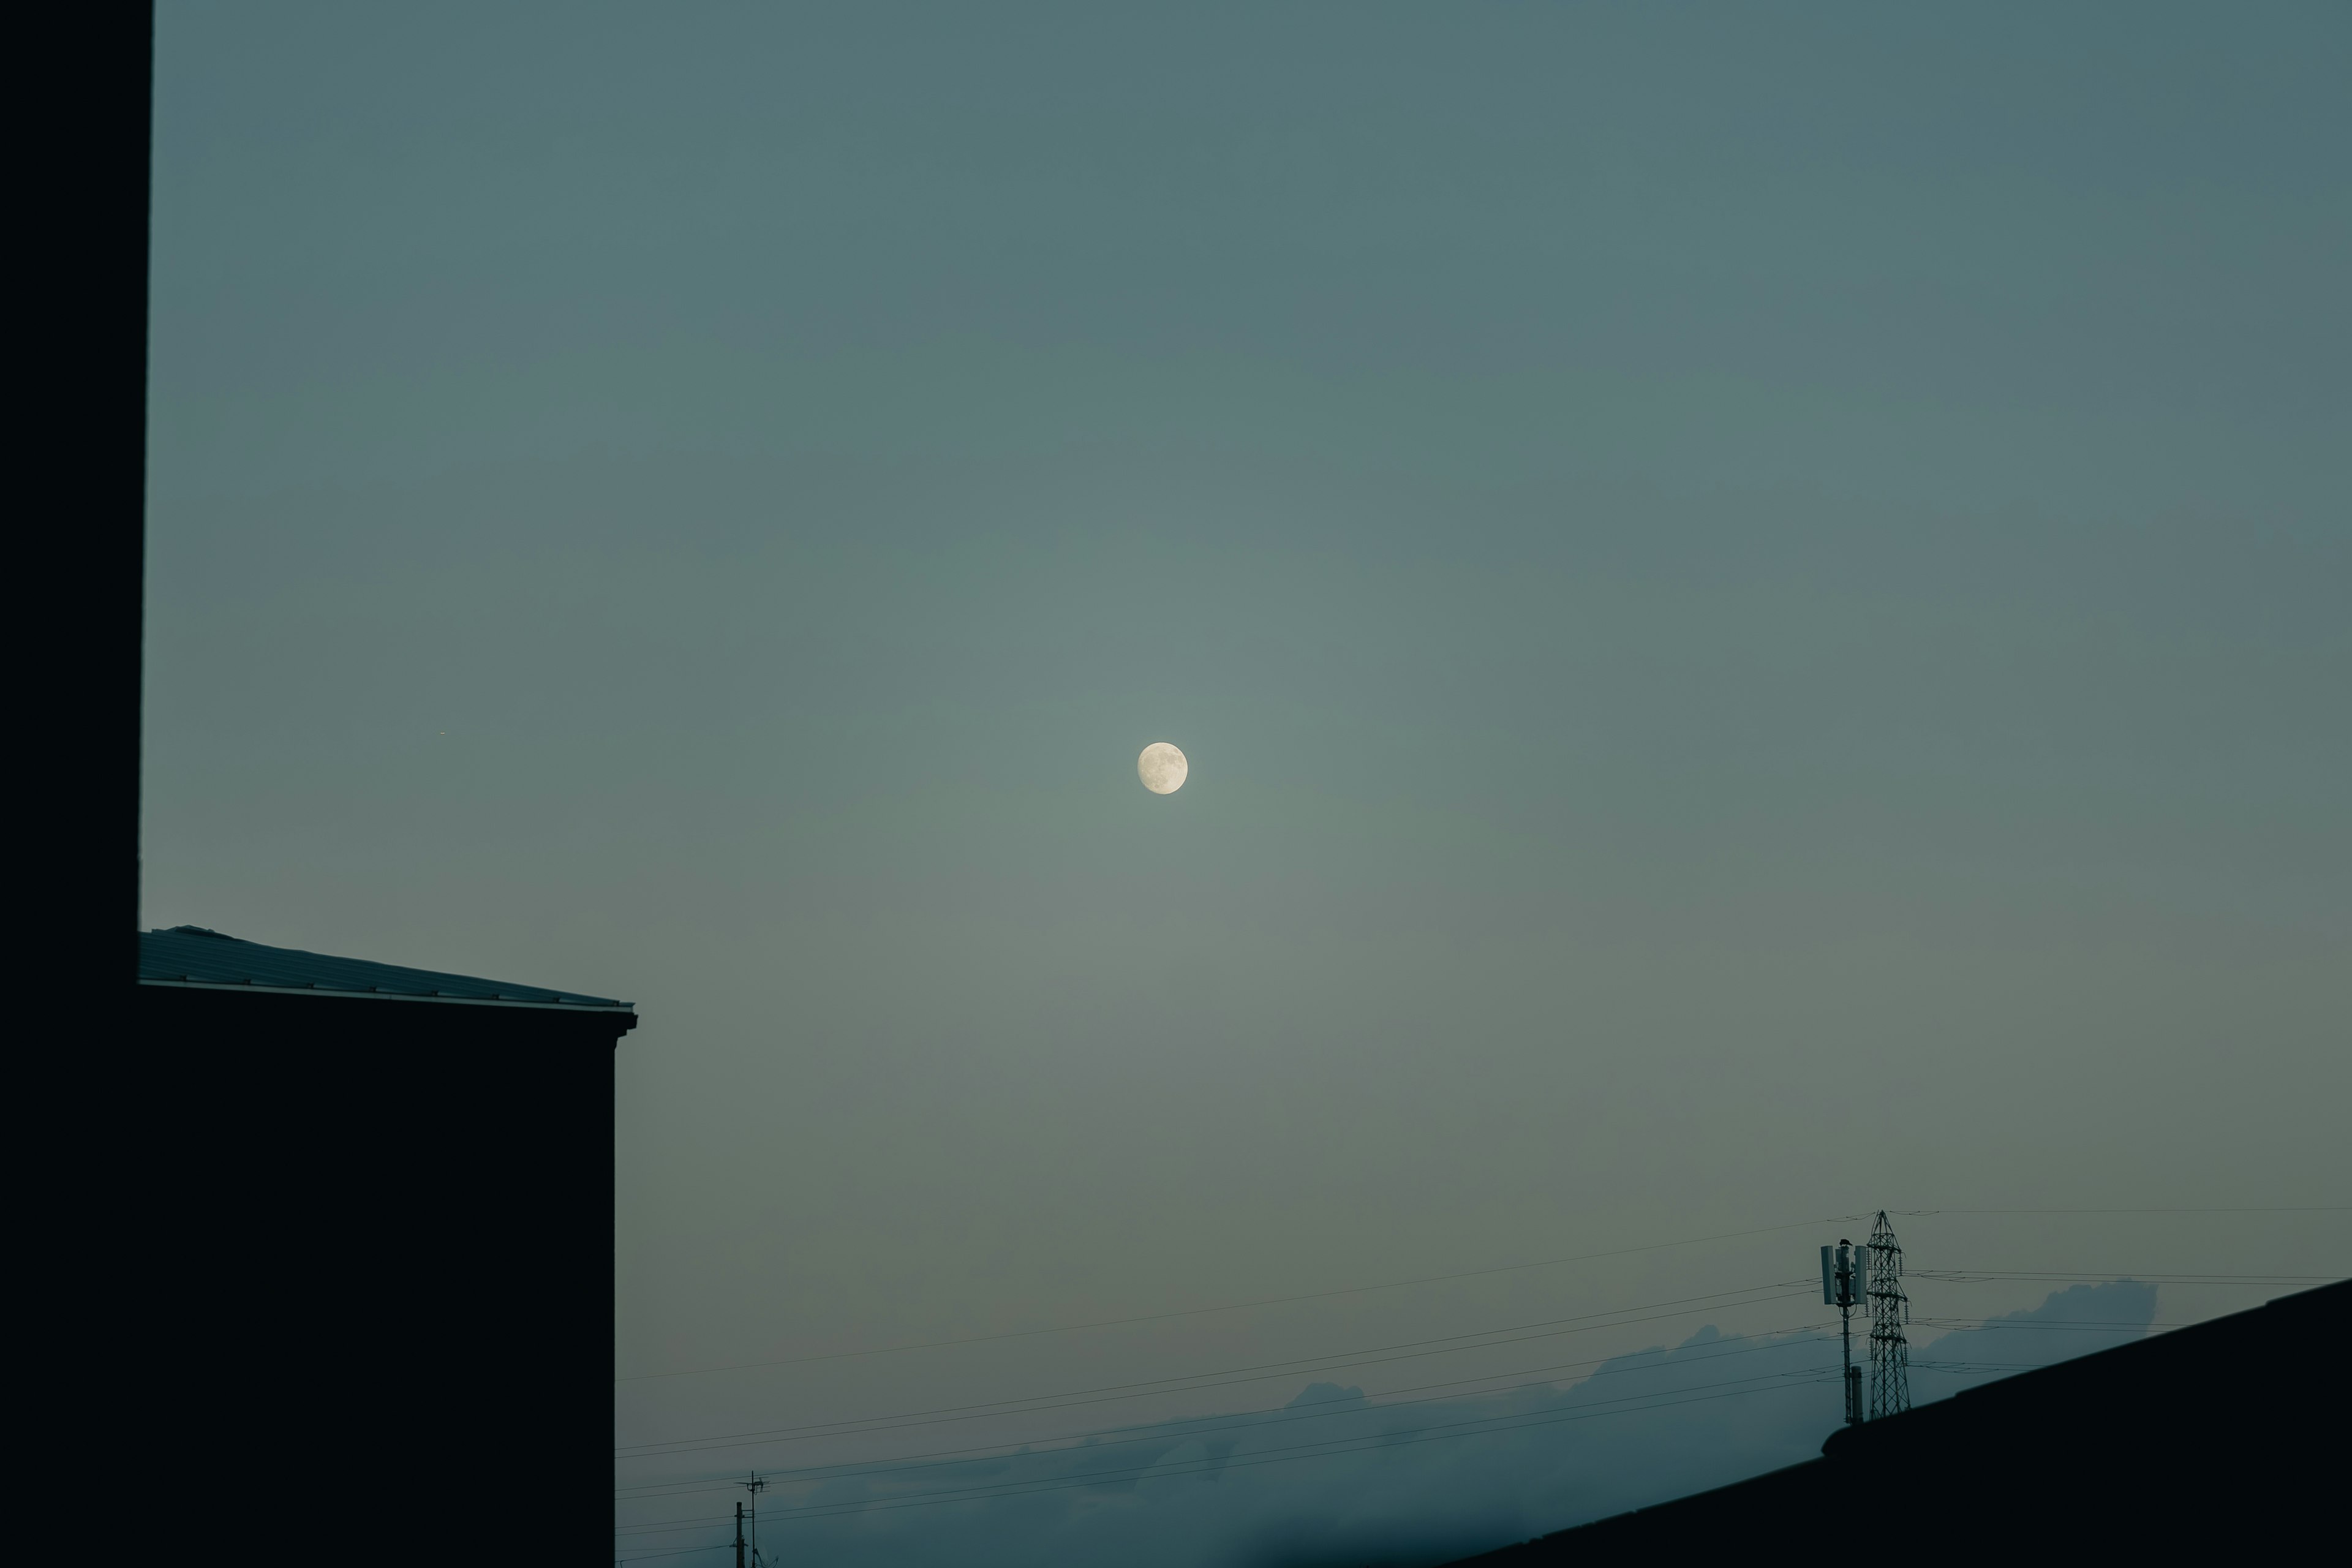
{"x":1756,"y":598}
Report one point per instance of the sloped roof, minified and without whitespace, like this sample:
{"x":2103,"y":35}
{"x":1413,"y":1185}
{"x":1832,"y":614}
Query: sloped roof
{"x":192,"y":955}
{"x":2181,"y":1435}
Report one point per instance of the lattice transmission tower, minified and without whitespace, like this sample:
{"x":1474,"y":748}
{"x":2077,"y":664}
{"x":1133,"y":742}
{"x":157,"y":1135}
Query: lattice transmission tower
{"x":1890,"y":1308}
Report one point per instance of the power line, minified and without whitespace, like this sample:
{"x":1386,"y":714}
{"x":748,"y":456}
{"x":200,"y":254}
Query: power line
{"x":1449,"y":1431}
{"x":1332,"y":1407}
{"x":667,"y":1527}
{"x":1357,"y":1443}
{"x":2118,"y":1277}
{"x":1187,"y":1382}
{"x":1231,"y":1306}
{"x":2099,"y":1325}
{"x":1327,"y":1365}
{"x":1184,"y":1429}
{"x":1353,"y":1443}
{"x":1426,"y":1280}
{"x":1342,"y":1361}
{"x":1327,"y":1362}
{"x":2241,"y":1208}
{"x":1238,"y":1421}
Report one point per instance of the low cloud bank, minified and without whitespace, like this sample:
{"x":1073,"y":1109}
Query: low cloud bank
{"x":1332,"y":1478}
{"x":2070,"y":1322}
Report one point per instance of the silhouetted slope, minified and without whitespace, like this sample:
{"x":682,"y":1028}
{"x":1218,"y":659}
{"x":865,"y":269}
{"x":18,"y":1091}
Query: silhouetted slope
{"x":2229,"y":1432}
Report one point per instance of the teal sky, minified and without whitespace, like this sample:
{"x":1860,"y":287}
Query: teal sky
{"x":1756,"y":596}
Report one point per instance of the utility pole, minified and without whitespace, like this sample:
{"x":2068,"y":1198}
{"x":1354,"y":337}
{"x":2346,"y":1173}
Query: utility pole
{"x":1842,"y":1287}
{"x":755,"y":1486}
{"x":1890,"y":1308}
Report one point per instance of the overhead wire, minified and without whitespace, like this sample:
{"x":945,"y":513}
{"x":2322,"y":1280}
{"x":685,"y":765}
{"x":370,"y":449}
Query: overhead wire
{"x":1187,"y":1382}
{"x":1183,"y":1430}
{"x":1360,"y":1441}
{"x":2225,"y":1208}
{"x":2088,"y":1277}
{"x":2100,"y":1325}
{"x":1442,"y":1278}
{"x":1355,"y":1444}
{"x":1502,"y":1423}
{"x":1329,"y":1361}
{"x":1235,"y":1306}
{"x":1350,"y":1443}
{"x":1781,"y":1340}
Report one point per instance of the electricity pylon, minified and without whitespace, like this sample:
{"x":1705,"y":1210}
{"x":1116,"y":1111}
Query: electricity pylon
{"x":1890,"y":1354}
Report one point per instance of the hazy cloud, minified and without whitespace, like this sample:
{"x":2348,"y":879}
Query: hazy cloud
{"x":1332,"y":1476}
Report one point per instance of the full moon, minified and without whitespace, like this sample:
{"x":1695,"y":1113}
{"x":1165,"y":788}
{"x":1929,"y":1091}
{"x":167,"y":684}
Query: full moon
{"x":1161,"y":768}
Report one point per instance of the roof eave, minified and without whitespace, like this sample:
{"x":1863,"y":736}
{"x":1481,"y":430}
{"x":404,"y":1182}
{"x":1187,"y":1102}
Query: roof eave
{"x":611,"y":1009}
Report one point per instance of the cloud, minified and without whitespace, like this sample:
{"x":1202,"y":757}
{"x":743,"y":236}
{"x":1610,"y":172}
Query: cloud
{"x":1332,"y":1476}
{"x":2070,"y":1322}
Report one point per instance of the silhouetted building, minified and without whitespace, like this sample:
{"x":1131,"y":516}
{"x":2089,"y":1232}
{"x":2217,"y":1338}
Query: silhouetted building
{"x":396,"y":1197}
{"x":2218,"y":1438}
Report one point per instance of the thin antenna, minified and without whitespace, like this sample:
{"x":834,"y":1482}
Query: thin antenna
{"x":1890,"y":1308}
{"x":755,"y":1486}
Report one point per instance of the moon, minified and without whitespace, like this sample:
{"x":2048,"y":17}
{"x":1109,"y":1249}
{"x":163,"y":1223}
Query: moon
{"x":1161,"y":768}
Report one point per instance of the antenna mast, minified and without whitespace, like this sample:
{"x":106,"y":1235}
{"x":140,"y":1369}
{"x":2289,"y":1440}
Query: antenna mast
{"x":755,"y":1486}
{"x":1890,"y":1308}
{"x":1842,"y":1286}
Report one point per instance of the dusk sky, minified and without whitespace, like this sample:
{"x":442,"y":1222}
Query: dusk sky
{"x":1756,"y":598}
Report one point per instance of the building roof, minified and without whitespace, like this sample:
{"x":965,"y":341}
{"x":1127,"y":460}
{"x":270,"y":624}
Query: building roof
{"x":2182,"y":1436}
{"x":194,"y":956}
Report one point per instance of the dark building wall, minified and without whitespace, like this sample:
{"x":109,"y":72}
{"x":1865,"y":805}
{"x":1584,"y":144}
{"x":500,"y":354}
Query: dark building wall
{"x":77,"y":223}
{"x":399,"y":1223}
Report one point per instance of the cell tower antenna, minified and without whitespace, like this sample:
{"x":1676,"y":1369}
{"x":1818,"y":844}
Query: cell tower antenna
{"x":1842,"y":1287}
{"x":755,"y":1486}
{"x":1890,"y":1308}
